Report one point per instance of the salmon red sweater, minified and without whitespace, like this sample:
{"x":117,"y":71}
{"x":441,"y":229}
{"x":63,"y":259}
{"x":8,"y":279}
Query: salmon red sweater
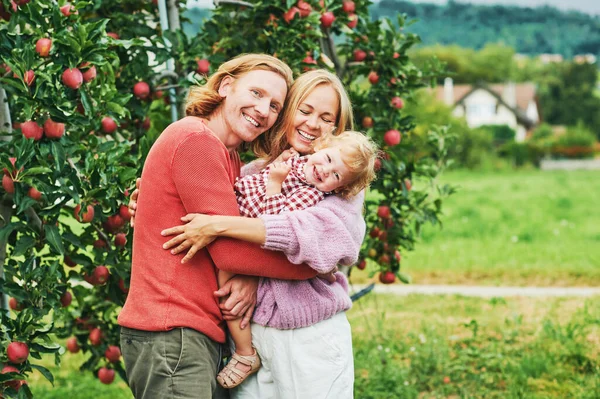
{"x":189,"y":170}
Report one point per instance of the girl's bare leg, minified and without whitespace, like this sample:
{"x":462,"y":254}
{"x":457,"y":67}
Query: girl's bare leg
{"x":241,"y":338}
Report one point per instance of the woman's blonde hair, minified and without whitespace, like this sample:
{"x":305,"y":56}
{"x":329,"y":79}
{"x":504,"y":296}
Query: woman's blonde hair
{"x":274,"y":142}
{"x":202,"y":101}
{"x":359,"y":153}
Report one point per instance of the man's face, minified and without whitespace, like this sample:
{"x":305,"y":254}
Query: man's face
{"x":252,"y":102}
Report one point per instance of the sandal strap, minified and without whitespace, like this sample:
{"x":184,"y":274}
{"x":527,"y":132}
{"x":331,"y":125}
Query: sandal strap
{"x":246,"y":360}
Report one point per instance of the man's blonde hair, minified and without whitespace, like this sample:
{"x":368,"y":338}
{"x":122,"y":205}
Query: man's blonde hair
{"x":202,"y":101}
{"x":274,"y":142}
{"x":359,"y":153}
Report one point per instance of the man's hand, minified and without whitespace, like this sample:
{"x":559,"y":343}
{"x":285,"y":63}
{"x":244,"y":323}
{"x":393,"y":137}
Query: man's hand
{"x":133,"y":200}
{"x":238,"y":298}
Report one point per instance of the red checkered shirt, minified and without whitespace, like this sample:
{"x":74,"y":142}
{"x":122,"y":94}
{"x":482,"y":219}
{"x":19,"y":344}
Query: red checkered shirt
{"x":296,"y":193}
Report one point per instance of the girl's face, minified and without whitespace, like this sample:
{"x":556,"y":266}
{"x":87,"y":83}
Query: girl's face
{"x":326,"y":170}
{"x":315,"y":116}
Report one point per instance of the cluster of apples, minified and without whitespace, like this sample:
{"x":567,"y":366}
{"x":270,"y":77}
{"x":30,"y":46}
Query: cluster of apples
{"x":112,"y":353}
{"x":303,"y":10}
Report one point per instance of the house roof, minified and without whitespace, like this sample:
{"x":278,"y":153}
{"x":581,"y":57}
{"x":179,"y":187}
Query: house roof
{"x":525,"y":93}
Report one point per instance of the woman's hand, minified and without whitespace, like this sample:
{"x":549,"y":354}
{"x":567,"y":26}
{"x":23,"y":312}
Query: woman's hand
{"x":197,"y":233}
{"x":133,"y":200}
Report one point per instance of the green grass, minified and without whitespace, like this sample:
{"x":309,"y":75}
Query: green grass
{"x":405,"y":347}
{"x":526,"y":227}
{"x":459,"y":347}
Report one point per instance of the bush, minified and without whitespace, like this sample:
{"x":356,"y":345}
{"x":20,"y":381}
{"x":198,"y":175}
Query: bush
{"x":500,"y":133}
{"x":578,"y":142}
{"x":522,"y":153}
{"x":472,"y":147}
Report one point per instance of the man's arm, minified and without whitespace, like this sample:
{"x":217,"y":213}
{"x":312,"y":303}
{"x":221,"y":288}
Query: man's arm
{"x":201,"y":170}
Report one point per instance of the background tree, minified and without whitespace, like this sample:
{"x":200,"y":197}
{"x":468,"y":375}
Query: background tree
{"x":85,"y":84}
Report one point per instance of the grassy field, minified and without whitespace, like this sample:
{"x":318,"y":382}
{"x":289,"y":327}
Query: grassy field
{"x":525,"y":227}
{"x":441,"y":347}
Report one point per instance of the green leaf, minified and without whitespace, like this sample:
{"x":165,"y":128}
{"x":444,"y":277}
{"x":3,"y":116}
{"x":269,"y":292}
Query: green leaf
{"x":54,"y":239}
{"x":115,"y":108}
{"x":59,"y":154}
{"x":45,"y":372}
{"x":23,"y":244}
{"x":405,"y":278}
{"x":86,"y":101}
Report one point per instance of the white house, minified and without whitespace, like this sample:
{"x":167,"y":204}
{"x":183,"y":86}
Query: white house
{"x":509,"y":104}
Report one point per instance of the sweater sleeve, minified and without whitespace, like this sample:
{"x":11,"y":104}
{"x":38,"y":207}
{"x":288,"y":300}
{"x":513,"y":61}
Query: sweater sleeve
{"x":201,"y":170}
{"x":324,"y":235}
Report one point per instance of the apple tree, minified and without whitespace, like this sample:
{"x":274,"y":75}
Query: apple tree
{"x":83,"y":94}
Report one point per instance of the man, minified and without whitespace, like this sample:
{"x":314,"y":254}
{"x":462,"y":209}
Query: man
{"x":172,"y":327}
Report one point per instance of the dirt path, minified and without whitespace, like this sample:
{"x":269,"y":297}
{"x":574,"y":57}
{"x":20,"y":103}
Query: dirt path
{"x":479,"y":291}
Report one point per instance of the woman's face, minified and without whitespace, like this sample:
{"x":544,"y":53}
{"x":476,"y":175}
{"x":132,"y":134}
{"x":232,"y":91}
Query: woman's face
{"x":315,"y":116}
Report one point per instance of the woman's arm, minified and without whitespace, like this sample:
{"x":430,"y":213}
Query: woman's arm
{"x":322,"y":236}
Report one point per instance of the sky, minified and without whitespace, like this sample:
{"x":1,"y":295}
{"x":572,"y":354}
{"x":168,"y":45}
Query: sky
{"x":586,"y":6}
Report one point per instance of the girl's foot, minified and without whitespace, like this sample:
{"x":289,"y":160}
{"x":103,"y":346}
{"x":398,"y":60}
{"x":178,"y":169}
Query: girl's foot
{"x":238,"y":369}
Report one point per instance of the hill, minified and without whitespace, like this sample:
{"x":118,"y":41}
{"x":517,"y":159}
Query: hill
{"x":528,"y":30}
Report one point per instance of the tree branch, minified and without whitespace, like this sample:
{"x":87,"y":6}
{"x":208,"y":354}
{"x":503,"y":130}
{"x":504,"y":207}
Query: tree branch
{"x":329,"y":47}
{"x":217,"y":3}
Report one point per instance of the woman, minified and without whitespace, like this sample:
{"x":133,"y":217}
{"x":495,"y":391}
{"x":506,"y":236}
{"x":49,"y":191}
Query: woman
{"x":300,"y":321}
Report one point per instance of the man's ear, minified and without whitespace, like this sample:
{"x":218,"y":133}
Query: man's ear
{"x":225,"y":86}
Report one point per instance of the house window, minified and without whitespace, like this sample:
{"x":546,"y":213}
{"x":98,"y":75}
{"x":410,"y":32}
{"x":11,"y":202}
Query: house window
{"x":481,"y":110}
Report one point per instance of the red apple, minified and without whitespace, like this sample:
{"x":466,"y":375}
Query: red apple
{"x":304,"y":7}
{"x":113,"y":223}
{"x":90,"y":73}
{"x":106,"y":376}
{"x":359,"y":55}
{"x":373,"y":77}
{"x":384,"y":211}
{"x":72,"y":78}
{"x":113,"y":35}
{"x":290,"y":14}
{"x":53,"y":130}
{"x":327,"y":19}
{"x":362,"y":264}
{"x":99,"y":244}
{"x":203,"y":66}
{"x":113,"y":354}
{"x":69,"y":262}
{"x":122,"y":286}
{"x":43,"y":46}
{"x":34,"y":193}
{"x":120,"y":240}
{"x":14,"y":384}
{"x":17,"y":352}
{"x":384,"y":259}
{"x":72,"y":345}
{"x":108,"y":125}
{"x":146,"y":123}
{"x":374,"y":233}
{"x":124,"y":212}
{"x":141,"y":90}
{"x":101,"y":274}
{"x":68,"y":9}
{"x":392,"y":137}
{"x":367,"y":122}
{"x":396,"y":55}
{"x":383,"y":237}
{"x":29,"y":77}
{"x":397,"y":103}
{"x":387,"y":277}
{"x":88,"y":216}
{"x":397,"y":255}
{"x":377,"y":165}
{"x":96,"y":336}
{"x":349,"y":7}
{"x":352,"y":21}
{"x":32,"y":130}
{"x":8,"y":184}
{"x":12,"y":161}
{"x":407,"y":184}
{"x":15,"y":305}
{"x":446,"y":380}
{"x":66,"y":299}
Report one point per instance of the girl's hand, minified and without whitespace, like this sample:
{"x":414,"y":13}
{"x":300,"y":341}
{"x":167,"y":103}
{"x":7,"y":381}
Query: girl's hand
{"x":197,"y":233}
{"x":278,"y":171}
{"x":133,"y":200}
{"x":287,"y":154}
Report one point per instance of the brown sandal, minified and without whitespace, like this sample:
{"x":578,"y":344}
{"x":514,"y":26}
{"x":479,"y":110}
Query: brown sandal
{"x":231,"y":376}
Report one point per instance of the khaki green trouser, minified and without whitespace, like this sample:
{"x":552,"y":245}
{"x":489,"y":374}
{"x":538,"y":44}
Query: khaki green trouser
{"x":177,"y":364}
